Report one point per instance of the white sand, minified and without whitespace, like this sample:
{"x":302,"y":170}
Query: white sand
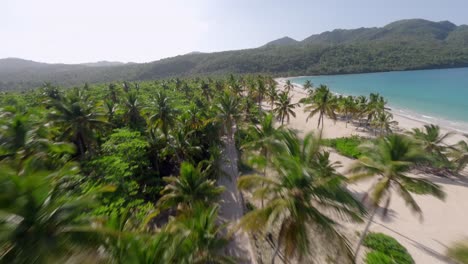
{"x":444,"y":221}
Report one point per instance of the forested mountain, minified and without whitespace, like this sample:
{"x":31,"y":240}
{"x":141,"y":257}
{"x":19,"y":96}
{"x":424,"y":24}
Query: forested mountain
{"x":401,"y":45}
{"x":284,"y":41}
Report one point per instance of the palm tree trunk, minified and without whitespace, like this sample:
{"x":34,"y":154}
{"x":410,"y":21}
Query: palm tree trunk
{"x":320,"y":117}
{"x":276,"y":251}
{"x":264,"y":175}
{"x":364,"y":233}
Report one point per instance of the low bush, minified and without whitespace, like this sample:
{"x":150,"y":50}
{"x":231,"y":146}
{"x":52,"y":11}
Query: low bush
{"x":377,"y":257}
{"x":347,"y":146}
{"x":389,"y":246}
{"x":459,"y":252}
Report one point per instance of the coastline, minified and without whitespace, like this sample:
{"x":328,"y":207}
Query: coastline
{"x":426,"y":239}
{"x":407,"y":120}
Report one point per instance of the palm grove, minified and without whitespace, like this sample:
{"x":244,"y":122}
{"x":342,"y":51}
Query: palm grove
{"x":128,"y":172}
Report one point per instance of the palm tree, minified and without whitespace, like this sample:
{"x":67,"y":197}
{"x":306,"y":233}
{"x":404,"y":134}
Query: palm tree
{"x":322,"y":103}
{"x":79,"y":119}
{"x":288,"y":86}
{"x":156,"y":142}
{"x":133,"y":111}
{"x":272,"y":94}
{"x":264,"y":139}
{"x":124,"y":242}
{"x":260,"y":91}
{"x":206,"y":90}
{"x":347,"y":107}
{"x":375,"y":106}
{"x":361,"y":107}
{"x":113,"y":93}
{"x":228,"y":112}
{"x":459,"y":154}
{"x":111,"y":108}
{"x":284,"y":107}
{"x":165,"y":114}
{"x":191,"y":187}
{"x":203,"y":238}
{"x":292,"y":200}
{"x":22,"y":139}
{"x":431,"y":138}
{"x":384,"y":122}
{"x":51,"y":92}
{"x":389,"y":160}
{"x":308,"y":86}
{"x":184,"y":146}
{"x":40,"y":222}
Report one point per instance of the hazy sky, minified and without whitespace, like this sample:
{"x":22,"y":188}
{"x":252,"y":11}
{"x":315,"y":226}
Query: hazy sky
{"x":73,"y":31}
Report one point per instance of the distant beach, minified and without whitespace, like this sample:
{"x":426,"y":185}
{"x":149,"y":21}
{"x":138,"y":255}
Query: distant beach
{"x":444,"y":221}
{"x":428,"y":96}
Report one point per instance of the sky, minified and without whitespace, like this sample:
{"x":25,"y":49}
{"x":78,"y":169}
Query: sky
{"x":77,"y":31}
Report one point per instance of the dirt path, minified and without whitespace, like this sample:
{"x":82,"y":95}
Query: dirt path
{"x":232,"y":205}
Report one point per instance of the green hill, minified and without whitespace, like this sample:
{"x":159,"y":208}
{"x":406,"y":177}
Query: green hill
{"x":401,"y":45}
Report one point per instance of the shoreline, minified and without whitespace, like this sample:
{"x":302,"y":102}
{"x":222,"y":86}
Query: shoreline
{"x":405,"y":121}
{"x":426,"y":239}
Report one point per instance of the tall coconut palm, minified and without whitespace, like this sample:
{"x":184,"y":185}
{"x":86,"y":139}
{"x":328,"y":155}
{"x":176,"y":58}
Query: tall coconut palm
{"x":165,"y":115}
{"x":124,"y":242}
{"x":347,"y":107}
{"x":23,"y":139}
{"x":322,"y":103}
{"x":308,"y":86}
{"x":264,"y":139}
{"x":110,"y":108}
{"x":206,"y":90}
{"x":431,"y":138}
{"x":288,"y":86}
{"x":184,"y":145}
{"x":133,"y":109}
{"x":203,"y":238}
{"x":189,"y":188}
{"x":157,"y":141}
{"x":260,"y":91}
{"x":292,"y":200}
{"x":40,"y":222}
{"x":284,"y":107}
{"x":51,"y":92}
{"x":384,"y":122}
{"x":388,"y":161}
{"x":458,"y":154}
{"x":272,"y":94}
{"x":361,"y":108}
{"x":112,"y":93}
{"x":376,"y":105}
{"x":228,"y":112}
{"x":79,"y":119}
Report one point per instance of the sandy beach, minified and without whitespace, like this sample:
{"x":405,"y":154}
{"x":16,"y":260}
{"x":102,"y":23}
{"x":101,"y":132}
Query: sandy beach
{"x":443,"y":223}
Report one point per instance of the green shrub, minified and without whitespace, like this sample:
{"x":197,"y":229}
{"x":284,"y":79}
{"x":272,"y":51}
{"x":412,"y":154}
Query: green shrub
{"x":388,"y":246}
{"x":377,"y":257}
{"x":347,"y":146}
{"x":459,"y":252}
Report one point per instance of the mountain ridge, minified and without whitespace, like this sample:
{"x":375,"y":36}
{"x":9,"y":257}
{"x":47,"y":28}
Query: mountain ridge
{"x":400,"y":45}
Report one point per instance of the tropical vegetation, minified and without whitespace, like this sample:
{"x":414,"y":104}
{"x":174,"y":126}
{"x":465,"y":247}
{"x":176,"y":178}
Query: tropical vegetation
{"x":129,"y":172}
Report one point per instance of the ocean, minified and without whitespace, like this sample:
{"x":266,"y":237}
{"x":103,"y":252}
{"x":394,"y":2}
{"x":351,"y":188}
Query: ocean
{"x":432,"y":96}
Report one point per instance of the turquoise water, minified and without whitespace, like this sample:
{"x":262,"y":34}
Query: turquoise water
{"x":434,"y":96}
